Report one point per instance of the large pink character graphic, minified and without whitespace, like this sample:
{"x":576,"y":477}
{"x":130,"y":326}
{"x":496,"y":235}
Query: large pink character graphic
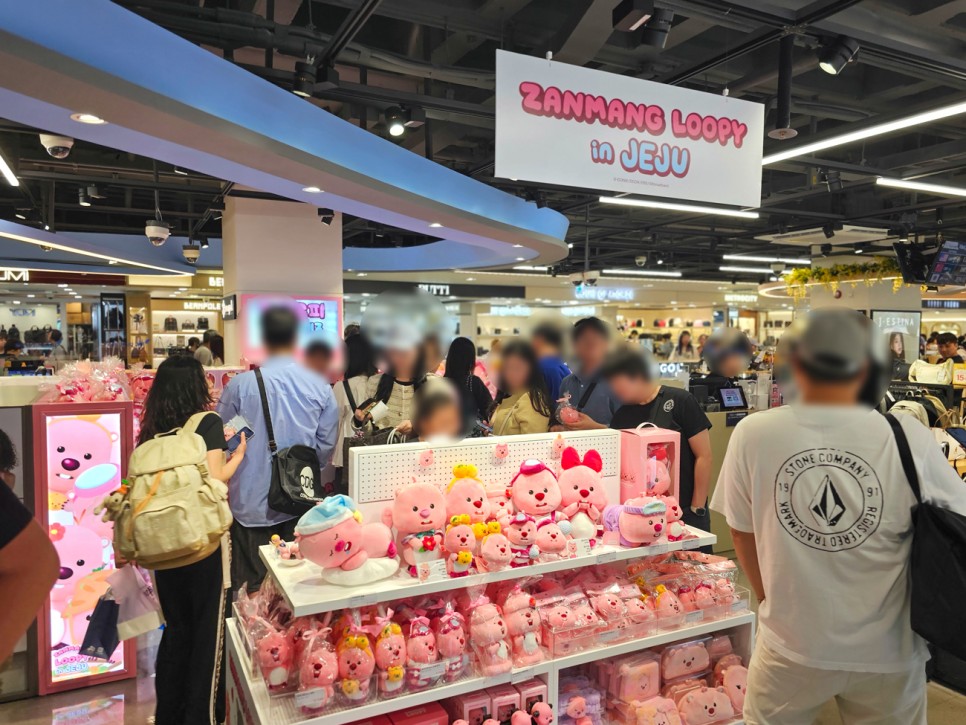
{"x":80,"y":583}
{"x":79,"y":456}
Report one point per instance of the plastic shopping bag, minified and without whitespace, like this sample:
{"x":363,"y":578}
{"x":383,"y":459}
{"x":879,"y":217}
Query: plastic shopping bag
{"x":139,"y":610}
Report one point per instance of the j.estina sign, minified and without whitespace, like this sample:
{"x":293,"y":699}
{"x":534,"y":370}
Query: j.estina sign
{"x":572,"y":126}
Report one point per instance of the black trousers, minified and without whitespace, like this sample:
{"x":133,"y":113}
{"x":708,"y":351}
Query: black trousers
{"x":246,"y":566}
{"x":190,"y":682}
{"x":700,"y":522}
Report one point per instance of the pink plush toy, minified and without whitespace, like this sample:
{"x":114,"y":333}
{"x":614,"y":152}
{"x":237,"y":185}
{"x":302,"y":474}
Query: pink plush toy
{"x":491,"y":721}
{"x":465,"y":494}
{"x":519,"y":717}
{"x":658,"y":711}
{"x":684,"y":659}
{"x":735,"y":682}
{"x":541,"y":714}
{"x":551,"y":538}
{"x":704,"y":596}
{"x":501,"y":451}
{"x":501,"y":507}
{"x":609,"y":606}
{"x":390,"y":653}
{"x":421,"y":649}
{"x":667,"y":605}
{"x":676,"y":530}
{"x":459,"y":545}
{"x":534,"y":490}
{"x":706,"y":705}
{"x":496,"y":552}
{"x":637,"y":521}
{"x":724,"y":592}
{"x":638,"y":611}
{"x":686,"y":597}
{"x":577,"y":709}
{"x":451,"y":640}
{"x":274,"y":652}
{"x":522,"y":533}
{"x":356,"y":664}
{"x":419,"y":514}
{"x":657,"y":478}
{"x":582,"y":492}
{"x":461,"y":722}
{"x":318,"y":673}
{"x":488,"y":634}
{"x":523,"y":626}
{"x":332,"y":535}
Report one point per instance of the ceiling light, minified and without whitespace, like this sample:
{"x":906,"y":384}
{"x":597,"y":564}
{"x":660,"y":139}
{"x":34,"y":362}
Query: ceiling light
{"x":395,"y":120}
{"x":94,"y":193}
{"x":531,"y":268}
{"x":436,"y":225}
{"x":16,"y":302}
{"x":31,"y":296}
{"x":517,"y":246}
{"x":204,"y":243}
{"x":833,"y":180}
{"x":112,"y":261}
{"x":180,"y":172}
{"x":326,"y":216}
{"x":362,"y":274}
{"x":570,"y":245}
{"x":786,"y":260}
{"x":745,"y":270}
{"x":838,"y":54}
{"x":470,"y":279}
{"x":304,"y":83}
{"x":695,"y":208}
{"x":937,"y":189}
{"x":77,"y":297}
{"x":89,"y":118}
{"x":82,"y":197}
{"x":62,"y":285}
{"x":642,"y":272}
{"x":656,"y":31}
{"x":879,"y":129}
{"x":312,"y":189}
{"x":182,"y":289}
{"x":8,"y":173}
{"x":629,"y":15}
{"x":46,"y":227}
{"x":20,"y":216}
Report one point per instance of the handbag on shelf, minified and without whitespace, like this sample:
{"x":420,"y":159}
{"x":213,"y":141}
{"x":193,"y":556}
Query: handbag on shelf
{"x":188,"y":325}
{"x":158,"y":346}
{"x":940,"y":373}
{"x":203,"y":323}
{"x":170,"y":324}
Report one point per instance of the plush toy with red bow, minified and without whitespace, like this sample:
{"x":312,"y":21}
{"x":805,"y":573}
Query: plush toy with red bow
{"x":582,"y":492}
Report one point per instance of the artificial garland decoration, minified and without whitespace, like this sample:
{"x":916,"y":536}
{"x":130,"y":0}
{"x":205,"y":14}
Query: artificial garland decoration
{"x":869,"y":273}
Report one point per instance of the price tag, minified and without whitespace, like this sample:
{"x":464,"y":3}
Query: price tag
{"x":578,"y":547}
{"x":605,"y":557}
{"x":696,"y":616}
{"x":359,"y":601}
{"x":311,"y":699}
{"x":609,"y":635}
{"x":432,"y":570}
{"x":521,"y":675}
{"x":655,"y":549}
{"x":688,"y":544}
{"x":432,"y":671}
{"x":739,"y":605}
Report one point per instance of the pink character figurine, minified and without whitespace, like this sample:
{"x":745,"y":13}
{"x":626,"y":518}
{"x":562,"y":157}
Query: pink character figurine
{"x":465,"y":494}
{"x":331,"y":535}
{"x":519,"y":717}
{"x":422,"y":651}
{"x":657,"y":478}
{"x":522,"y":533}
{"x":637,"y":610}
{"x":501,"y":506}
{"x":577,"y":709}
{"x":704,"y":597}
{"x":496,"y":552}
{"x":451,"y":640}
{"x":523,"y":625}
{"x":667,"y":604}
{"x":459,"y":545}
{"x":542,"y":713}
{"x":319,"y":670}
{"x":724,"y":592}
{"x":274,"y":659}
{"x":637,"y":521}
{"x":390,"y":653}
{"x":551,"y":538}
{"x":419,"y":514}
{"x":706,"y":705}
{"x":676,"y":530}
{"x":356,"y":664}
{"x":534,"y":490}
{"x":488,"y":634}
{"x":583,"y":497}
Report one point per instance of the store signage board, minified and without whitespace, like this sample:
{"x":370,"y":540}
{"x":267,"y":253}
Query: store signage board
{"x":604,"y":294}
{"x":229,"y":307}
{"x":471,"y":291}
{"x":901,"y":329}
{"x":321,"y":319}
{"x":943,"y":304}
{"x":571,"y":126}
{"x":739,"y":297}
{"x":10,"y":274}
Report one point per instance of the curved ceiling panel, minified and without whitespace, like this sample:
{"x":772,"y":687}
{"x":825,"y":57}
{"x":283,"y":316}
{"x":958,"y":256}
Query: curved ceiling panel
{"x":168,"y":99}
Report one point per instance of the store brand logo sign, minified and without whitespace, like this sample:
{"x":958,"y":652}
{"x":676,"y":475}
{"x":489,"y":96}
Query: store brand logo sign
{"x":202,"y":306}
{"x":216,"y":281}
{"x":741,"y":298}
{"x":604,"y":294}
{"x":437,"y":290}
{"x":11,"y":274}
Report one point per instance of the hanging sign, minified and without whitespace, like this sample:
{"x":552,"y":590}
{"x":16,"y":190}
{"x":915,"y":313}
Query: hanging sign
{"x":572,"y":126}
{"x":604,"y":294}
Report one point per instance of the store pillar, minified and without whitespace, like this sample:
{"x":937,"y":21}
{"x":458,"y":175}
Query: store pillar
{"x":277,"y":248}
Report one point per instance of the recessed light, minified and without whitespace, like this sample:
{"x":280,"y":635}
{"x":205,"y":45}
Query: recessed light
{"x":182,"y":289}
{"x":112,"y":261}
{"x":31,"y":296}
{"x":62,"y":285}
{"x":436,"y":225}
{"x":312,"y":189}
{"x":46,"y":227}
{"x":362,"y":274}
{"x":518,"y":246}
{"x":470,"y":279}
{"x":77,"y":297}
{"x":89,"y":118}
{"x":20,"y":216}
{"x":521,"y":259}
{"x":16,"y":302}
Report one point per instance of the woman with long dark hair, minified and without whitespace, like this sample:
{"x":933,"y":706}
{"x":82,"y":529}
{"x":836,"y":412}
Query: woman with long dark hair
{"x":217,"y":344}
{"x":350,"y":392}
{"x":475,"y":399}
{"x":684,"y":350}
{"x":189,"y":683}
{"x":522,"y":402}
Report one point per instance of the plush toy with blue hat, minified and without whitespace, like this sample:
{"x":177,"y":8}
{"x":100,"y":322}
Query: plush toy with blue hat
{"x":332,"y":535}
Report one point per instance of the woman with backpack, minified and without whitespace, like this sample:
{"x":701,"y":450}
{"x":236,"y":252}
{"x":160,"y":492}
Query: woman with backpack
{"x":189,"y":682}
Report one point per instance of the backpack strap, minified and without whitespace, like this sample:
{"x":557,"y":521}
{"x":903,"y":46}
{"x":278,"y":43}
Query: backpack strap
{"x":191,"y":426}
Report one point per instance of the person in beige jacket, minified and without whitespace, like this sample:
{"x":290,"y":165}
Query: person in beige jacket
{"x":522,"y":405}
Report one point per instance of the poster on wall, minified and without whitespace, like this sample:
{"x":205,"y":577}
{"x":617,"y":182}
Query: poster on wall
{"x":321,"y":320}
{"x":902,"y":332}
{"x":81,"y":454}
{"x":572,"y":126}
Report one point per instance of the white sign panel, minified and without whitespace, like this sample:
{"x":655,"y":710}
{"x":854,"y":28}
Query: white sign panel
{"x":572,"y":126}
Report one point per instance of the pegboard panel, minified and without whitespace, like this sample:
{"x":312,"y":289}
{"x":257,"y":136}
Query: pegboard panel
{"x":376,"y":471}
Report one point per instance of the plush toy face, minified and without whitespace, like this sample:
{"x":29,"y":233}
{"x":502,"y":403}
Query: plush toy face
{"x":657,"y":478}
{"x":639,"y":682}
{"x":320,"y":668}
{"x":467,"y":496}
{"x":521,"y":615}
{"x":658,"y":711}
{"x":668,"y":605}
{"x":459,"y":538}
{"x":422,"y":647}
{"x":585,"y":616}
{"x":356,"y":663}
{"x":706,"y":706}
{"x":80,"y":551}
{"x":673,"y":508}
{"x":500,"y":504}
{"x":561,"y":617}
{"x":81,"y":456}
{"x":331,"y":548}
{"x":580,"y":480}
{"x":501,"y":451}
{"x":390,"y":651}
{"x":522,"y":532}
{"x":495,"y":550}
{"x":418,"y":507}
{"x":537,"y":493}
{"x":685,"y":660}
{"x":487,"y":625}
{"x":542,"y":714}
{"x":274,"y":651}
{"x":724,"y":591}
{"x":452,"y":642}
{"x":577,"y":707}
{"x":638,"y":611}
{"x":550,"y":539}
{"x":735,"y":683}
{"x":704,"y":596}
{"x":608,"y":605}
{"x":641,"y":528}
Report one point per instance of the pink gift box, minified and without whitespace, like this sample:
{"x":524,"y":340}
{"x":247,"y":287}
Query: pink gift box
{"x":640,"y":444}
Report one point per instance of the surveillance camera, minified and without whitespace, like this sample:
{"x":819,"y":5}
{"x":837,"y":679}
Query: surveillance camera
{"x":191,"y":253}
{"x":641,"y":261}
{"x":591,"y":278}
{"x":576,"y":279}
{"x":157,"y":231}
{"x":57,"y":146}
{"x":778,"y":267}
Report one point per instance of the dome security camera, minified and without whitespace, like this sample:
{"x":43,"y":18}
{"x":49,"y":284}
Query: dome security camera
{"x":191,"y":253}
{"x":641,"y":260}
{"x":157,"y":231}
{"x":778,"y":267}
{"x":57,"y":146}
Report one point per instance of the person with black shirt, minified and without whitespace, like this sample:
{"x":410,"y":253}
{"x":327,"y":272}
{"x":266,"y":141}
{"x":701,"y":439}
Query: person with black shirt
{"x":189,"y":681}
{"x":634,"y":382}
{"x":475,"y":399}
{"x":949,"y":348}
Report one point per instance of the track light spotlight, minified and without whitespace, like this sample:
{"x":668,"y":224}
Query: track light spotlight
{"x":838,"y":54}
{"x":94,"y":193}
{"x":203,"y":241}
{"x":326,"y":216}
{"x":304,"y":83}
{"x":826,"y":249}
{"x":833,"y":180}
{"x":395,"y":120}
{"x":82,"y":197}
{"x":656,"y":31}
{"x":829,"y":231}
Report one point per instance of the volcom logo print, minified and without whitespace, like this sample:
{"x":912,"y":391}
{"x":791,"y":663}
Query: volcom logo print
{"x":668,"y":406}
{"x":828,"y":499}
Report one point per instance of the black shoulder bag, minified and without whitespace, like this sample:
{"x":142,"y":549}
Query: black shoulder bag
{"x":938,"y":563}
{"x":296,"y":474}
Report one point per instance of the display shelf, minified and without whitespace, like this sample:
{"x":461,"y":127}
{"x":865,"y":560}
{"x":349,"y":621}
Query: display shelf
{"x":282,"y":709}
{"x":306,"y":593}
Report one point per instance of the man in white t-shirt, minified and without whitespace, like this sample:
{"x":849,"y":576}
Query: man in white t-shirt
{"x":820,"y":511}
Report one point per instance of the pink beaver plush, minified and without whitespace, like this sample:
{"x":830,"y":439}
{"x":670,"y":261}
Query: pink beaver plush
{"x":637,"y":521}
{"x":522,"y":533}
{"x":318,"y":673}
{"x":459,"y":545}
{"x":552,"y":538}
{"x":523,"y":625}
{"x":465,"y":494}
{"x":577,"y":709}
{"x":331,"y":535}
{"x":541,"y":713}
{"x":488,"y":634}
{"x":534,"y":490}
{"x":706,"y":705}
{"x":419,"y":513}
{"x":501,"y":507}
{"x":583,"y":497}
{"x":496,"y":552}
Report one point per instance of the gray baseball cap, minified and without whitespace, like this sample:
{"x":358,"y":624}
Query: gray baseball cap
{"x":836,"y":343}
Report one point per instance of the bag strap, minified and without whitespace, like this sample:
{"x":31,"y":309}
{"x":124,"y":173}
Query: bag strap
{"x":268,"y":416}
{"x":905,"y":455}
{"x":191,"y":426}
{"x":586,"y":396}
{"x":348,"y":394}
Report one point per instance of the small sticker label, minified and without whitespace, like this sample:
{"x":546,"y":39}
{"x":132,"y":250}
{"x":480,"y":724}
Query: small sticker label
{"x":432,"y":570}
{"x":312,"y":699}
{"x":654,"y":549}
{"x":739,"y":605}
{"x":606,"y":557}
{"x":521,"y":675}
{"x":688,"y":544}
{"x":609,"y":635}
{"x":696,"y":616}
{"x":430,"y":671}
{"x":578,"y":547}
{"x":355,"y":602}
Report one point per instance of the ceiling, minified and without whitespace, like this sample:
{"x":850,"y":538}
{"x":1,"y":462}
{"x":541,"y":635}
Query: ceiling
{"x":437,"y":57}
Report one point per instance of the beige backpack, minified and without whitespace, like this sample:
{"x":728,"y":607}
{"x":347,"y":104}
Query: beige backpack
{"x":172,"y":513}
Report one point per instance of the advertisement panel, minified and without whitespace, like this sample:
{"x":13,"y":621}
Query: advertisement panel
{"x":901,"y":329}
{"x":571,"y":126}
{"x":321,"y":319}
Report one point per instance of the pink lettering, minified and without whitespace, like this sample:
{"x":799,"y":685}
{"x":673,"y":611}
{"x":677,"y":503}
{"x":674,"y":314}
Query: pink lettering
{"x":531,"y":93}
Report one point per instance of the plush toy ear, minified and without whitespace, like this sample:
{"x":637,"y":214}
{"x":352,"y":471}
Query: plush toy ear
{"x":593,"y":461}
{"x":570,"y":458}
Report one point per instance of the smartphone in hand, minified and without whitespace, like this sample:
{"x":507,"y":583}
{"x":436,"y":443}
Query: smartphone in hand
{"x":233,"y":430}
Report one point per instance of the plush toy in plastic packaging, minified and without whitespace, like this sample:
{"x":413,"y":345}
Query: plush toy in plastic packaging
{"x":488,"y":635}
{"x":418,"y":514}
{"x":318,"y":672}
{"x":273,"y":654}
{"x":452,"y":641}
{"x":332,"y":535}
{"x":390,"y":655}
{"x":423,"y":655}
{"x":501,"y":505}
{"x":583,"y":497}
{"x":356,"y":664}
{"x":524,"y":627}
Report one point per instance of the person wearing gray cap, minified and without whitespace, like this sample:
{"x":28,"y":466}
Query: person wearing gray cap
{"x":821,"y":515}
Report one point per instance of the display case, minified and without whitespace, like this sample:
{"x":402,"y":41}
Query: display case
{"x":174,"y":322}
{"x":110,"y":324}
